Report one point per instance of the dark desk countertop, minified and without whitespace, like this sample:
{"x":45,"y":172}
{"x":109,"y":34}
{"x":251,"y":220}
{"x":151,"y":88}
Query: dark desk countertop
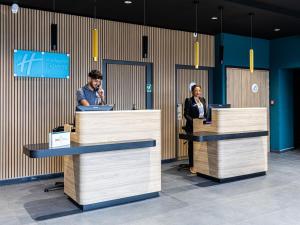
{"x":43,"y":150}
{"x":213,"y":136}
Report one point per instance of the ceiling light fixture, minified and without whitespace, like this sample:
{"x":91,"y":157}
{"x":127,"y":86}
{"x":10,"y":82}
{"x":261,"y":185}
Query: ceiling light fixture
{"x":221,"y":47}
{"x":251,"y":52}
{"x":53,"y":30}
{"x":145,"y":37}
{"x":95,"y":45}
{"x":277,"y":29}
{"x":196,"y":44}
{"x":15,"y":8}
{"x":214,"y":18}
{"x":127,"y":2}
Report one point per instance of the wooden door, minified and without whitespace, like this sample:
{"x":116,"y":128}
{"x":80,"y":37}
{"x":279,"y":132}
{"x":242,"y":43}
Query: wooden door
{"x":248,"y":90}
{"x":184,"y":78}
{"x":126,"y":85}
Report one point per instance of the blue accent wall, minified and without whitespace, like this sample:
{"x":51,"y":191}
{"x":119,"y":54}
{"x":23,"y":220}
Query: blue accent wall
{"x":281,"y":56}
{"x":236,"y":54}
{"x":285,"y":57}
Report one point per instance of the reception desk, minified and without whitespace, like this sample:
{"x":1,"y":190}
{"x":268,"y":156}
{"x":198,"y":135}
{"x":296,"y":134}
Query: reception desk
{"x":114,"y":158}
{"x":233,"y":146}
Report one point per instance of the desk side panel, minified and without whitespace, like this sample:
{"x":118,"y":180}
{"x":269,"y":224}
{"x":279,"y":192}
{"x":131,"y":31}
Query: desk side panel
{"x":116,"y":126}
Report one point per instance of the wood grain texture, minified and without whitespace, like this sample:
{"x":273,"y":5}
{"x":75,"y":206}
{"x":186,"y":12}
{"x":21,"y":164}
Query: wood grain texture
{"x":230,"y":158}
{"x":31,"y":107}
{"x":98,"y":177}
{"x":126,"y":85}
{"x":239,"y":93}
{"x":184,"y":78}
{"x":98,"y":127}
{"x":235,"y":120}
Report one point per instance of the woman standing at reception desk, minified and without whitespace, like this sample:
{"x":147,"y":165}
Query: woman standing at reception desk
{"x":194,"y":107}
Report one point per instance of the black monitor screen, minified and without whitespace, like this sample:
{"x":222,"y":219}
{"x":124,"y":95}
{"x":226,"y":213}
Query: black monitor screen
{"x":95,"y":108}
{"x":211,"y":106}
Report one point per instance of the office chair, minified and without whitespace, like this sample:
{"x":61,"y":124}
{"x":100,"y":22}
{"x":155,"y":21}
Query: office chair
{"x":183,"y":166}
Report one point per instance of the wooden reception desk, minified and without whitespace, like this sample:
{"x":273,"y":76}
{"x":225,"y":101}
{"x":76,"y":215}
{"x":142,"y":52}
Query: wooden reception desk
{"x":233,"y":146}
{"x":114,"y":158}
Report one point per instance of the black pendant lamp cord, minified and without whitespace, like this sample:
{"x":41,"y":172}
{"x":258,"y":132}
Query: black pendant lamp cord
{"x":251,"y":18}
{"x":196,"y":24}
{"x":221,"y":12}
{"x":53,"y":14}
{"x":95,"y":12}
{"x":144,"y":12}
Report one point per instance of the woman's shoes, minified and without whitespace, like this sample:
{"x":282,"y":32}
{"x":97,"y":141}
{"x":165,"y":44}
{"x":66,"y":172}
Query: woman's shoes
{"x":192,"y":170}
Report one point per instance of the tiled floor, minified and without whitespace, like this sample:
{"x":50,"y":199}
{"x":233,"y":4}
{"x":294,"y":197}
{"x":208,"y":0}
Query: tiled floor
{"x":185,"y":200}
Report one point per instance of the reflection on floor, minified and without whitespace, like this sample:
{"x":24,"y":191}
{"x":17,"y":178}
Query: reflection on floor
{"x":272,"y":199}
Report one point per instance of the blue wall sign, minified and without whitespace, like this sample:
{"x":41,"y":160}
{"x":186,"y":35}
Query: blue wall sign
{"x":41,"y":64}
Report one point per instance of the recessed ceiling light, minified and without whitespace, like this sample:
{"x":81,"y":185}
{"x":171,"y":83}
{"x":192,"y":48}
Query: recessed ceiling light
{"x":127,"y":2}
{"x":214,"y":18}
{"x":277,"y":29}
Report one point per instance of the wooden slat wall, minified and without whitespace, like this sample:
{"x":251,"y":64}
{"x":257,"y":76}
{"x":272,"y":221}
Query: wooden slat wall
{"x":239,"y":93}
{"x":31,"y":107}
{"x":126,"y":85}
{"x":184,"y":78}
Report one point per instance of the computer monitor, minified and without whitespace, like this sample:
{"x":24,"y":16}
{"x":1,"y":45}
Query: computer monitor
{"x":95,"y":108}
{"x":211,"y":106}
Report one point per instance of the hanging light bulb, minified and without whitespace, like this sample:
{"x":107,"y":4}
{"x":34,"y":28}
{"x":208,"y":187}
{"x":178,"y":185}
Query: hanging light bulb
{"x":53,"y":31}
{"x":196,"y":55}
{"x":196,"y":43}
{"x":95,"y":40}
{"x":145,"y":37}
{"x":95,"y":44}
{"x":251,"y":51}
{"x":221,"y":47}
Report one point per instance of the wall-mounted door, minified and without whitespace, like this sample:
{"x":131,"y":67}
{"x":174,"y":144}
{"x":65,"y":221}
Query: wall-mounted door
{"x":248,"y":90}
{"x":183,"y":78}
{"x":126,"y":86}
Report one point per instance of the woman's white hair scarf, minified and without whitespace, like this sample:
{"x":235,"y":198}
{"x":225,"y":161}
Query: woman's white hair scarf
{"x":191,"y":85}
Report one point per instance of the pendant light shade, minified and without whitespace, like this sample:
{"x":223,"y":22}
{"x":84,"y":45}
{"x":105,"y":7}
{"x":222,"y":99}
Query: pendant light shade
{"x":53,"y":31}
{"x":95,"y":45}
{"x":251,"y":51}
{"x":196,"y":43}
{"x":251,"y":58}
{"x":145,"y":37}
{"x":196,"y":54}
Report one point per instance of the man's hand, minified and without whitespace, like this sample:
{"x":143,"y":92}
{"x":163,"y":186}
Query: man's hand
{"x":101,"y":94}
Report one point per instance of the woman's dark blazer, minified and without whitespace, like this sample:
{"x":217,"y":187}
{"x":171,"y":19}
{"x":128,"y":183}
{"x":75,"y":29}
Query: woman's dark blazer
{"x":191,"y":111}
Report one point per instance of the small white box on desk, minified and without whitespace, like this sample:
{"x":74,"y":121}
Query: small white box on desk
{"x":59,"y":139}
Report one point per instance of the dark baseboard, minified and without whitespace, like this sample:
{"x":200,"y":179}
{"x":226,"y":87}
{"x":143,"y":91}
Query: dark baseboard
{"x":231,"y":179}
{"x":168,"y":160}
{"x":283,"y":150}
{"x":116,"y":202}
{"x":30,"y":179}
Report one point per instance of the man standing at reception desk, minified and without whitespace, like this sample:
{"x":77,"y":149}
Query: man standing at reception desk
{"x":91,"y":93}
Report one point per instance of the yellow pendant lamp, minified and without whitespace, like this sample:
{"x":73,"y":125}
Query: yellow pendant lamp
{"x":251,"y":59}
{"x":251,"y":51}
{"x":95,"y":44}
{"x":196,"y":43}
{"x":95,"y":39}
{"x":196,"y":55}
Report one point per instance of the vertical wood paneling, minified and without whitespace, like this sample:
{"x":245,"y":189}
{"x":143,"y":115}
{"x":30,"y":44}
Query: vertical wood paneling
{"x":239,"y":92}
{"x":126,"y":86}
{"x":184,"y":78}
{"x":31,"y":107}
